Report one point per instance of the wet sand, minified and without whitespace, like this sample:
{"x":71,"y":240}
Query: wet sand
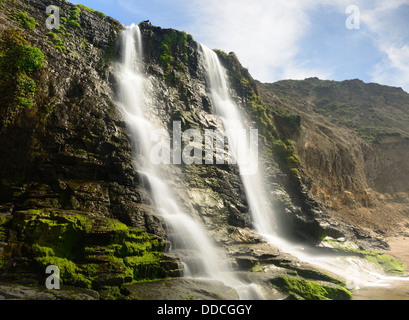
{"x":399,"y":249}
{"x":396,"y":290}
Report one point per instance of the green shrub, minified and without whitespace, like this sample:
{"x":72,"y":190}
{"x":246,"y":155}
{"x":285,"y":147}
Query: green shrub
{"x":51,"y":35}
{"x":74,"y":24}
{"x":58,"y":42}
{"x":61,"y":48}
{"x":173,"y":52}
{"x":164,"y":48}
{"x":61,"y":29}
{"x":374,"y":135}
{"x":74,"y":13}
{"x":18,"y":61}
{"x":183,"y":39}
{"x":170,"y":38}
{"x":24,"y":102}
{"x":101,"y":14}
{"x":29,"y":23}
{"x":166,"y":60}
{"x":17,"y":55}
{"x":31,"y":58}
{"x":25,"y":83}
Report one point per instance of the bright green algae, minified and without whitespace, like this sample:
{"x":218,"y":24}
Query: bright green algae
{"x":90,"y":252}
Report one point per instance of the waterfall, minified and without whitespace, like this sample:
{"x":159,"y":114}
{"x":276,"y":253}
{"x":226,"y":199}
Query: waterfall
{"x":200,"y":257}
{"x":189,"y":234}
{"x":262,"y":212}
{"x":357,"y":272}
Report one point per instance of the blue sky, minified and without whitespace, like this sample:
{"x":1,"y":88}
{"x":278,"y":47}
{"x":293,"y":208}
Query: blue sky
{"x":288,"y":39}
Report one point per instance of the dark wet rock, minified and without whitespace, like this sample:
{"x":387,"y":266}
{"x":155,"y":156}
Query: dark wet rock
{"x":180,"y":289}
{"x":20,"y":292}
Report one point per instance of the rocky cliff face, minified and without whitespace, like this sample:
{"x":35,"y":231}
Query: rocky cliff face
{"x":68,"y":158}
{"x":352,"y":146}
{"x":70,"y":193}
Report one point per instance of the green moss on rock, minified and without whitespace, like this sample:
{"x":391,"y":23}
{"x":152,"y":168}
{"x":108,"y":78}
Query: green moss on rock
{"x":173,"y":52}
{"x":28,"y":22}
{"x":74,"y":24}
{"x":3,"y":223}
{"x":388,"y":264}
{"x":74,"y":13}
{"x":18,"y":61}
{"x":301,"y":289}
{"x":90,"y":252}
{"x":70,"y":273}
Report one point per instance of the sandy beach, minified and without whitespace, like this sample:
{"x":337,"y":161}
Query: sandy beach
{"x":396,"y":290}
{"x":399,"y":249}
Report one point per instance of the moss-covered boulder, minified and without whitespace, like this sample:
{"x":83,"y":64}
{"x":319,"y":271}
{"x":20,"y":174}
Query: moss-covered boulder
{"x":89,"y":252}
{"x":301,"y":289}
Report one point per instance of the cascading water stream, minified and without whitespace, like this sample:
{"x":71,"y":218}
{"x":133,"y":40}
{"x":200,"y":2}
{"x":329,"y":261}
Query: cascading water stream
{"x":188,"y":238}
{"x":356,"y":272}
{"x":261,"y":209}
{"x":227,"y":111}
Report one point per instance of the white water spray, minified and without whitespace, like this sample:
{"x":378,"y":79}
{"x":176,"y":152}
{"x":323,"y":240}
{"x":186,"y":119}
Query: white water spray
{"x":357,"y":272}
{"x":201,"y":258}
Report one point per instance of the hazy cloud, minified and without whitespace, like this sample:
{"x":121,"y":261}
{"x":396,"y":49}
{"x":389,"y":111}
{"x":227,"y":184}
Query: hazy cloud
{"x":388,"y":22}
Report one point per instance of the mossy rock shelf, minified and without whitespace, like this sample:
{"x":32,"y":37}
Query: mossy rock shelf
{"x":301,"y":289}
{"x":90,"y":252}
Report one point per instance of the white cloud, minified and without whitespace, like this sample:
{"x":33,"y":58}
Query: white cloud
{"x":264,"y":34}
{"x":268,"y":36}
{"x":390,"y":33}
{"x":394,"y":68}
